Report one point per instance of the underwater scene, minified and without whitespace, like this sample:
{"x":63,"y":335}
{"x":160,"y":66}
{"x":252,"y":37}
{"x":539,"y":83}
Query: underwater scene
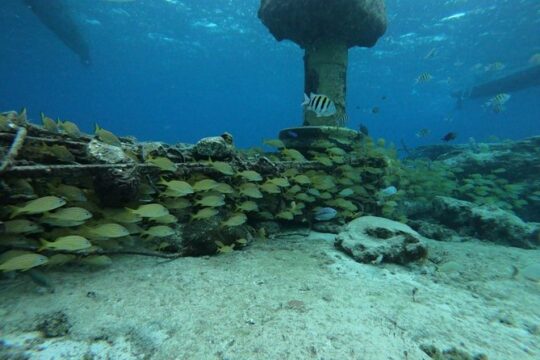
{"x":270,"y":179}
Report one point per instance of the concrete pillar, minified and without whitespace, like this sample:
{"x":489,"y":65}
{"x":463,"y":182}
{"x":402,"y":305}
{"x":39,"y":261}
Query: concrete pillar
{"x":325,"y":65}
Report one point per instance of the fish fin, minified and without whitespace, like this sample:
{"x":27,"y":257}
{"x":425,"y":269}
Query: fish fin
{"x":22,"y":117}
{"x":332,"y":110}
{"x":16,"y":211}
{"x":306,"y":100}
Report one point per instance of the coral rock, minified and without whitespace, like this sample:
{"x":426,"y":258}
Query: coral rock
{"x":485,"y":222}
{"x":519,"y":160}
{"x":54,"y":325}
{"x":327,"y":228}
{"x":432,"y":230}
{"x":371,"y":239}
{"x":215,"y":147}
{"x":106,"y":153}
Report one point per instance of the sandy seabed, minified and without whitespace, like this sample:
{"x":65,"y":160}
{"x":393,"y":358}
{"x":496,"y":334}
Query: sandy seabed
{"x":291,"y":297}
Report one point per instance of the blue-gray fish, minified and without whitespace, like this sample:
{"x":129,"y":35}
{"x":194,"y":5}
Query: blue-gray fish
{"x":389,"y":191}
{"x":320,"y":104}
{"x":324,"y":214}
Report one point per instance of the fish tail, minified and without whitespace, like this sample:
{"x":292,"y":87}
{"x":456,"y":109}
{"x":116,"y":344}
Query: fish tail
{"x":44,"y":245}
{"x":16,"y":211}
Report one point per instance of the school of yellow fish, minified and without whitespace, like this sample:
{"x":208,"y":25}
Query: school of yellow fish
{"x":66,"y":224}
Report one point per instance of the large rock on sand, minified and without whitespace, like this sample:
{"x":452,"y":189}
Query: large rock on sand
{"x":485,"y":222}
{"x":371,"y":239}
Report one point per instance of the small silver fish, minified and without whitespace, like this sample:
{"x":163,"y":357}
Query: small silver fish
{"x":320,"y":104}
{"x":324,"y":214}
{"x":431,"y":54}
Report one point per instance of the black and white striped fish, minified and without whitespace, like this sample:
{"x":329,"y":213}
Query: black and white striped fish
{"x":496,"y":103}
{"x":424,"y":77}
{"x":320,"y":104}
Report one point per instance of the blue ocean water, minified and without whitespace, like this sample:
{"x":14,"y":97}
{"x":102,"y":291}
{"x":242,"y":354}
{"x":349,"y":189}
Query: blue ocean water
{"x":177,"y":71}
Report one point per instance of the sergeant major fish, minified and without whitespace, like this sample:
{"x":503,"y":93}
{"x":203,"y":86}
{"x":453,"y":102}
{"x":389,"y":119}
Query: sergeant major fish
{"x":497,"y":102}
{"x":423,"y":78}
{"x":320,"y":104}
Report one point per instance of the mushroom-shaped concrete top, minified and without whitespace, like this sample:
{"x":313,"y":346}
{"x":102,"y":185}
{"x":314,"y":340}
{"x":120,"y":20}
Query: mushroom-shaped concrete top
{"x":352,"y":22}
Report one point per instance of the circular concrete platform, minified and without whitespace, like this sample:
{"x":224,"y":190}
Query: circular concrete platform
{"x":318,"y":137}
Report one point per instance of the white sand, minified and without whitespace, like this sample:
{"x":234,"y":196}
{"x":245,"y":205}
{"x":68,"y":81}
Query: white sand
{"x":293,"y":297}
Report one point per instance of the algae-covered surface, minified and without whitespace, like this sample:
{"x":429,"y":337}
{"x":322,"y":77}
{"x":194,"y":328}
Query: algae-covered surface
{"x":291,"y":297}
